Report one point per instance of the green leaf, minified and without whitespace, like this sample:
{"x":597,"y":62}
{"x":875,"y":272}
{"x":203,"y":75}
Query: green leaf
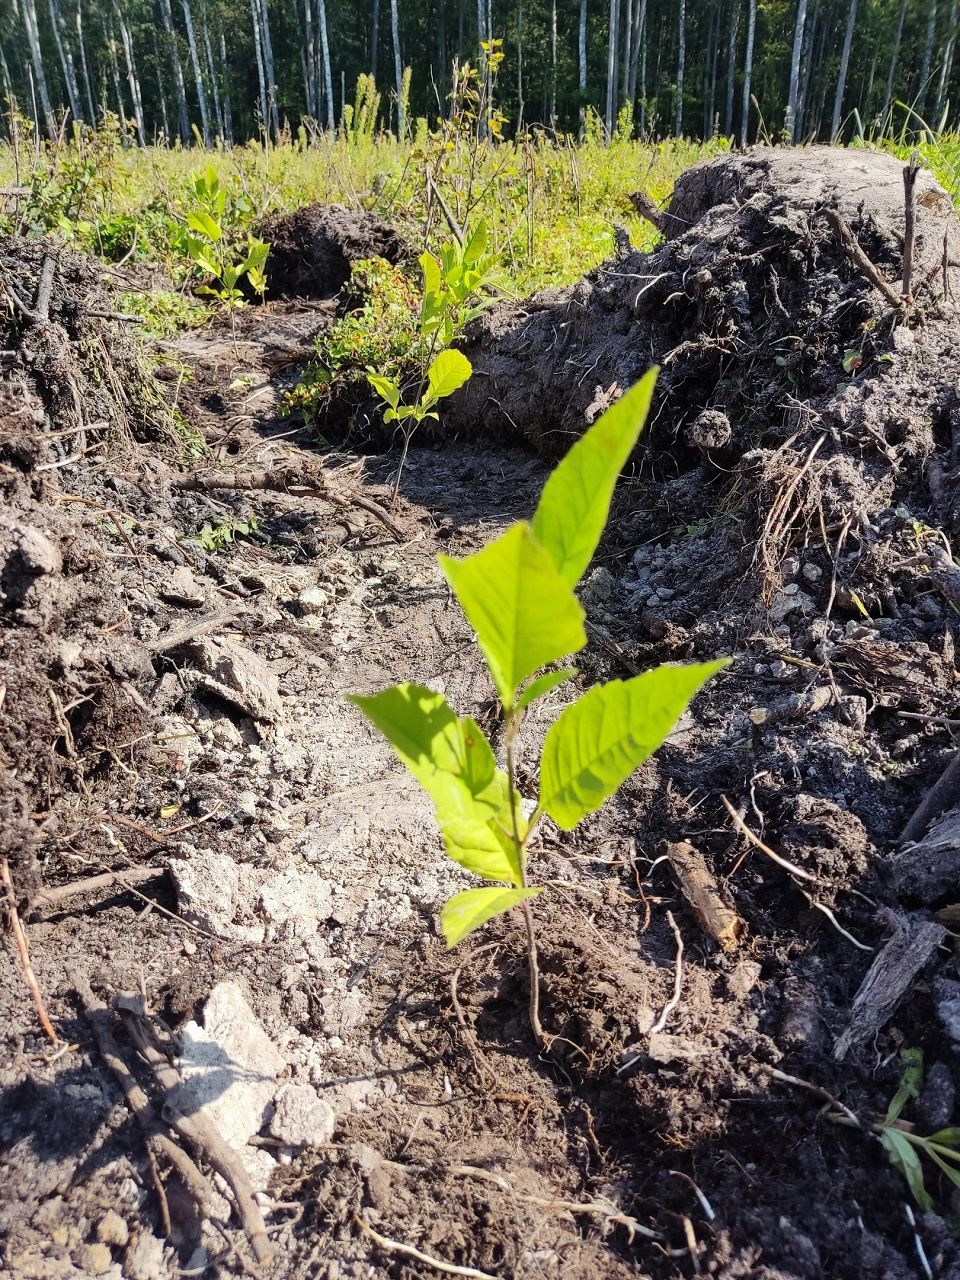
{"x":454,"y":763}
{"x":594,"y":745}
{"x":467,"y":911}
{"x":946,"y":1137}
{"x":431,"y":273}
{"x":201,"y":221}
{"x":473,"y":249}
{"x":575,"y":501}
{"x":523,"y":613}
{"x":385,"y":388}
{"x":905,"y":1159}
{"x":952,"y":1173}
{"x":543,"y":684}
{"x":448,"y":371}
{"x":910,"y":1085}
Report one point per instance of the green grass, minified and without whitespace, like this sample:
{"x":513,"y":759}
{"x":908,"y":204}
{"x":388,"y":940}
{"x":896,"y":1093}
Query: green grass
{"x":551,"y":207}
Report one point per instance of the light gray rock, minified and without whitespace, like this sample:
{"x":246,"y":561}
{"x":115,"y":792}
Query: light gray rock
{"x":181,"y":587}
{"x":207,"y":885}
{"x":144,"y":1259}
{"x":238,"y":675}
{"x":313,"y":601}
{"x":302,"y":1118}
{"x":295,"y":904}
{"x":230,"y":1066}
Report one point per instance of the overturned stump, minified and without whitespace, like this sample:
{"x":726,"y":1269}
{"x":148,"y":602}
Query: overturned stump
{"x":311,"y":249}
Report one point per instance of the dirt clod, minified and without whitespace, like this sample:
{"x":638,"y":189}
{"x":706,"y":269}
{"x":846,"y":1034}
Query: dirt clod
{"x":311,"y":249}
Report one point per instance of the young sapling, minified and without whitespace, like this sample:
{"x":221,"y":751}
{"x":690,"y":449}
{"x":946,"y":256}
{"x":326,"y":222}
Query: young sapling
{"x":518,"y":596}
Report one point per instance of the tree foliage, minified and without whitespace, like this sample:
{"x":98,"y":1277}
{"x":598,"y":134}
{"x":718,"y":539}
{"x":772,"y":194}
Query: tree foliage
{"x":249,"y":68}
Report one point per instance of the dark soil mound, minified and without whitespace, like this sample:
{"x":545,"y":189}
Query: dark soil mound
{"x":749,"y":306}
{"x":311,"y":249}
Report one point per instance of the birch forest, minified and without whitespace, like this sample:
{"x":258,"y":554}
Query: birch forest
{"x":202,"y":70}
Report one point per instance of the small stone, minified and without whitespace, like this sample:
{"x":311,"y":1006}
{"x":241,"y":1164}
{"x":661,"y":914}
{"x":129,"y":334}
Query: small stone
{"x":111,"y":1229}
{"x":144,"y":1259}
{"x":94,"y":1259}
{"x":313,"y":601}
{"x":598,"y":587}
{"x":181,"y":587}
{"x":246,"y":805}
{"x":666,"y":593}
{"x":789,"y":601}
{"x":302,"y":1118}
{"x":812,"y":572}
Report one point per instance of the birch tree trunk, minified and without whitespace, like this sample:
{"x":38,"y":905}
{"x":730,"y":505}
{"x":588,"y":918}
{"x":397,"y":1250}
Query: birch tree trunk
{"x":36,"y":58}
{"x":924,"y":88}
{"x":309,"y":55}
{"x":644,"y":42}
{"x":627,"y":50}
{"x":227,"y":116}
{"x":806,"y":62}
{"x":115,"y":73}
{"x":520,"y":103}
{"x":844,"y":65}
{"x":66,"y":60}
{"x":731,"y":72}
{"x":582,"y":55}
{"x":681,"y":63}
{"x":398,"y":62}
{"x":132,"y":80}
{"x":268,"y":67}
{"x":946,"y":65}
{"x":748,"y":72}
{"x":327,"y":77}
{"x":87,"y":83}
{"x":261,"y":74}
{"x":612,"y":45}
{"x":553,"y":64}
{"x":894,"y":56}
{"x":183,"y":120}
{"x":197,"y":71}
{"x":375,"y":38}
{"x":790,"y":121}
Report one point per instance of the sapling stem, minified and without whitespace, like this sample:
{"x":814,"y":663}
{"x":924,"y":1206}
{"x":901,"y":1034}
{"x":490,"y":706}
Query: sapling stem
{"x":533,"y":965}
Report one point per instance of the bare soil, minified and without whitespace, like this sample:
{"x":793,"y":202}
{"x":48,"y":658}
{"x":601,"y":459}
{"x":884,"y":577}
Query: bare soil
{"x":783,"y":510}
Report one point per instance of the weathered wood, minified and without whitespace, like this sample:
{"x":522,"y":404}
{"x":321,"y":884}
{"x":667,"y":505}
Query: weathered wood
{"x":888,"y":980}
{"x":926,"y":870}
{"x":699,"y":887}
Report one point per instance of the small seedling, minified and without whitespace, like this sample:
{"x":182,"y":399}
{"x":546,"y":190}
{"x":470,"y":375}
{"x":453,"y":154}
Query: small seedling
{"x":216,"y":537}
{"x":904,"y":1147}
{"x":450,"y":301}
{"x":210,"y":249}
{"x":518,"y":596}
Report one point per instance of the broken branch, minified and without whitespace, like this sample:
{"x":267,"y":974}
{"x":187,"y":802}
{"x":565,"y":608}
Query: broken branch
{"x":860,"y":260}
{"x":20,"y":939}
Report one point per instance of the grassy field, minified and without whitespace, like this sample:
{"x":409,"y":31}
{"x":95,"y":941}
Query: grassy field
{"x":550,"y":205}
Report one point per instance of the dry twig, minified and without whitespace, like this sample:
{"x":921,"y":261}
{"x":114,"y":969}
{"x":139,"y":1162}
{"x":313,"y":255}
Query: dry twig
{"x":910,"y":174}
{"x":860,"y":260}
{"x":20,"y":938}
{"x":297,"y":478}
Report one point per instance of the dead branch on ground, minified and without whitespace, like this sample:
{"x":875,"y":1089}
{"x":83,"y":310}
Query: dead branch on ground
{"x":20,"y":939}
{"x":860,"y":260}
{"x":292,"y":479}
{"x":910,"y":174}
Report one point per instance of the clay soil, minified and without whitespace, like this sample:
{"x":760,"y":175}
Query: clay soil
{"x":172,"y":705}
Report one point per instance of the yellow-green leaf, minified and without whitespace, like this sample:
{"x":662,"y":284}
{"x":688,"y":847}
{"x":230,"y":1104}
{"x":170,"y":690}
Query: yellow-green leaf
{"x":522,"y":611}
{"x":447,"y":373}
{"x":467,"y":911}
{"x":593,"y":746}
{"x":452,"y":760}
{"x":575,"y":502}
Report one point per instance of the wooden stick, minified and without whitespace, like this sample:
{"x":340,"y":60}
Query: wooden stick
{"x":131,"y":875}
{"x":910,"y":174}
{"x":137,"y":1100}
{"x":197,"y":1129}
{"x":943,"y":795}
{"x":20,"y":938}
{"x":860,"y":260}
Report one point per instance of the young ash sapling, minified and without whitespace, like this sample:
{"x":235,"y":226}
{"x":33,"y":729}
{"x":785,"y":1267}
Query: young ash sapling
{"x":517,"y":594}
